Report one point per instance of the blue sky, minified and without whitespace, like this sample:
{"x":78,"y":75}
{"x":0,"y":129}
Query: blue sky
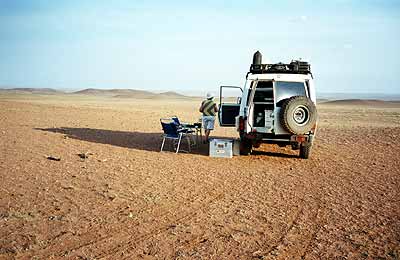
{"x":185,"y":46}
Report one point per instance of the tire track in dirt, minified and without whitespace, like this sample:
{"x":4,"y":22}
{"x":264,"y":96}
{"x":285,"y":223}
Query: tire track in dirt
{"x":302,"y":228}
{"x":299,"y":235}
{"x":290,"y":226}
{"x":97,"y":227}
{"x":238,"y":193}
{"x":130,"y":241}
{"x":103,"y":241}
{"x":88,"y":237}
{"x":235,"y":192}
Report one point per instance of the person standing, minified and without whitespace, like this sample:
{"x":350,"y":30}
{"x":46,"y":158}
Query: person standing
{"x":208,"y":108}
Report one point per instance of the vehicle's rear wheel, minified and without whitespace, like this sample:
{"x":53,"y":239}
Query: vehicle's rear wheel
{"x":295,"y":146}
{"x":245,"y":146}
{"x":305,"y":150}
{"x":298,"y":115}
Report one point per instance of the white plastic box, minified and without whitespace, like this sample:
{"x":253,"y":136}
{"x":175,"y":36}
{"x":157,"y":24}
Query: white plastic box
{"x":221,"y":148}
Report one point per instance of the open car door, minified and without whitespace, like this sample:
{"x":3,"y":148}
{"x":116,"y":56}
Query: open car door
{"x":229,"y":104}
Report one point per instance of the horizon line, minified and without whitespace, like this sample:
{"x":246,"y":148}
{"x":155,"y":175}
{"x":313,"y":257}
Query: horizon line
{"x":67,"y":90}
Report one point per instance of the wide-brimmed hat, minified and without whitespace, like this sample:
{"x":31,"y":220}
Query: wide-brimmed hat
{"x":210,"y":95}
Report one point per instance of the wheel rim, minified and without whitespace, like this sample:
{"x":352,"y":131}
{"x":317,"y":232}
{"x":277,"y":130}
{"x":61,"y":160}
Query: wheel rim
{"x":301,"y":115}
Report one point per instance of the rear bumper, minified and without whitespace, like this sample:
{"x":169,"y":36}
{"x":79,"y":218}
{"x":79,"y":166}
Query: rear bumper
{"x":278,"y":139}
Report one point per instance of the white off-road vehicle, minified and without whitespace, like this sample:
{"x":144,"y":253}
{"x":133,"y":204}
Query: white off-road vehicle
{"x":277,"y":106}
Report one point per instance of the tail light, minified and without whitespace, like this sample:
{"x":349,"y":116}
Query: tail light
{"x":241,"y":123}
{"x":300,"y":138}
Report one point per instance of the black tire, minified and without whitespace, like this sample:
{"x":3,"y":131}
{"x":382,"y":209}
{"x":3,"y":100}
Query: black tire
{"x":305,"y":150}
{"x":245,"y":146}
{"x":295,"y":146}
{"x":298,"y":115}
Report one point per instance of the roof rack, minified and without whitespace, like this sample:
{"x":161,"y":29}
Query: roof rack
{"x":294,"y":67}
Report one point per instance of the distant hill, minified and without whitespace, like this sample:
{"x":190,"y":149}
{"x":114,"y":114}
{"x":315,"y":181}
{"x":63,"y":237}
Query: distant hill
{"x":362,"y":102}
{"x":171,"y":94}
{"x":129,"y":93}
{"x":114,"y":93}
{"x":44,"y":91}
{"x":89,"y":91}
{"x":322,"y":100}
{"x":368,"y":96}
{"x":100,"y":92}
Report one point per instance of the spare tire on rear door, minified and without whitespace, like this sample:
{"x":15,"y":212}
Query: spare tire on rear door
{"x":298,"y":115}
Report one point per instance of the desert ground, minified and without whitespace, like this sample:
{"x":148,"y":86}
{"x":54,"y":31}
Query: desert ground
{"x":127,"y":200}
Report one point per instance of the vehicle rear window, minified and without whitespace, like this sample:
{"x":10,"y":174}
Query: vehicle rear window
{"x":284,"y":90}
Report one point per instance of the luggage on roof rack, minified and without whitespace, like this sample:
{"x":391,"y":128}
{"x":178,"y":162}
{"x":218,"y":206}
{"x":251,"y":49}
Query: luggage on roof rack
{"x":301,"y":66}
{"x":294,"y":67}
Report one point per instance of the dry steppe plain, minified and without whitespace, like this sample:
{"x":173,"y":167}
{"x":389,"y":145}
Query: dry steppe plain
{"x":127,"y":200}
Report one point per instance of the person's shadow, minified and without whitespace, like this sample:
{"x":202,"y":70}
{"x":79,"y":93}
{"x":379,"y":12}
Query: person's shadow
{"x":134,"y":140}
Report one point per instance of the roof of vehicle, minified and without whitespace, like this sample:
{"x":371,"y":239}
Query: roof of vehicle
{"x":279,"y":77}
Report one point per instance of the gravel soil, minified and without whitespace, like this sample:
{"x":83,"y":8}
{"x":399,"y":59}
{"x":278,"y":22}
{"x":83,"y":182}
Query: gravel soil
{"x":123,"y":199}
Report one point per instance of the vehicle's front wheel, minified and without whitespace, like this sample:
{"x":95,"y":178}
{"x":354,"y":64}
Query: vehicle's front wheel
{"x":245,"y":146}
{"x":305,"y":150}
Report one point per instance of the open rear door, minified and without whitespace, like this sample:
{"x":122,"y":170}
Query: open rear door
{"x":229,"y":104}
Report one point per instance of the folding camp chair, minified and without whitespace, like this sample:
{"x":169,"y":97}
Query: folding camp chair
{"x":174,"y":133}
{"x":195,"y":127}
{"x":176,"y":120}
